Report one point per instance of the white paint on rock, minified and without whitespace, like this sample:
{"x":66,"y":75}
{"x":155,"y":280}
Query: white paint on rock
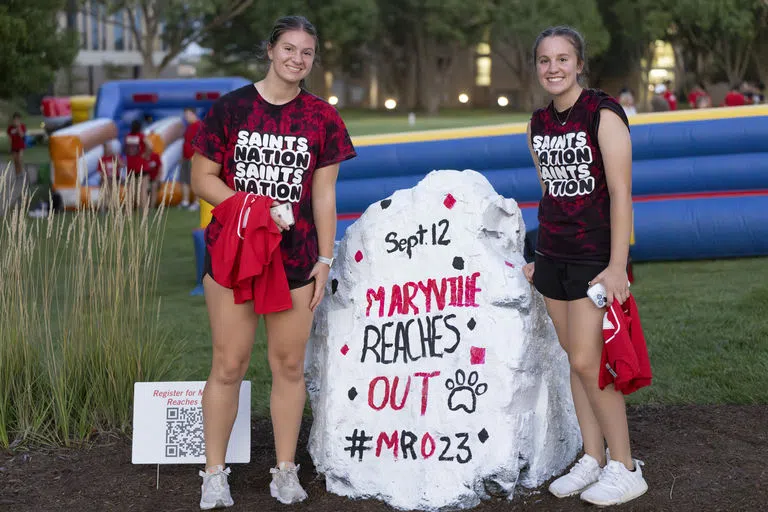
{"x":519,"y":396}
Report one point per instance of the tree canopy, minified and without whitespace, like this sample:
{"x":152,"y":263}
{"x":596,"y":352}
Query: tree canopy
{"x":32,"y":47}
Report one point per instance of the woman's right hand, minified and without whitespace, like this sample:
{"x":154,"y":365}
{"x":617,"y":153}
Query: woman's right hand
{"x":528,"y":271}
{"x":281,"y":224}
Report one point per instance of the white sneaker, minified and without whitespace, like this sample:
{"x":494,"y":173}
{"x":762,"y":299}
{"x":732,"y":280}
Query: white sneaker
{"x":583,"y":474}
{"x":616,"y":485}
{"x":285,"y":486}
{"x":194,"y":206}
{"x":215,"y":489}
{"x":184,"y":204}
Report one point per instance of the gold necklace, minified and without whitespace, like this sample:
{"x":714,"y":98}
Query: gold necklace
{"x":562,"y":123}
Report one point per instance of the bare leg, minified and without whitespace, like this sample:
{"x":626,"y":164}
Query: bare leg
{"x":585,"y":338}
{"x":233,"y":327}
{"x":591,"y":434}
{"x":18,"y":162}
{"x":287,"y":335}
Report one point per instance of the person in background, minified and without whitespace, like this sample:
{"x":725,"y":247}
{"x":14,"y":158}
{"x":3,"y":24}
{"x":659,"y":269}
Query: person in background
{"x":627,"y":101}
{"x":17,"y":133}
{"x":658,"y":102}
{"x":583,"y":239}
{"x":185,"y":173}
{"x":669,"y":95}
{"x":136,"y":146}
{"x":696,"y":93}
{"x":734,"y":98}
{"x":110,"y":166}
{"x":154,"y":167}
{"x":704,"y":101}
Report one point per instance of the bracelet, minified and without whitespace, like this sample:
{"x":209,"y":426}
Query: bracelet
{"x":327,"y":261}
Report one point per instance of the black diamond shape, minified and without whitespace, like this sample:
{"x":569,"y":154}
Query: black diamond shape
{"x":385,"y":204}
{"x":352,"y":393}
{"x":458,"y":263}
{"x":471,"y":324}
{"x":483,"y":436}
{"x":334,"y":285}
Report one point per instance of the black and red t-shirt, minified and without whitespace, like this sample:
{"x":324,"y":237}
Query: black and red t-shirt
{"x":273,"y":150}
{"x":575,"y":212}
{"x":17,"y":134}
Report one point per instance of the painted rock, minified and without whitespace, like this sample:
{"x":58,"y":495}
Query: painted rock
{"x":435,"y":376}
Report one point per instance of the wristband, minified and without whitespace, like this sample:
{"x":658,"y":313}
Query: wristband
{"x":327,"y":261}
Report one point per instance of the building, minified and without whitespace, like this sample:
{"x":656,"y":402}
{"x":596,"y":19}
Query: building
{"x":108,"y":50}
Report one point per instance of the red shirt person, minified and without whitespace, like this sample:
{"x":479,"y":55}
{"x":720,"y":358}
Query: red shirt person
{"x":153,"y":166}
{"x":109,"y":165}
{"x":734,"y":98}
{"x":193,"y":126}
{"x":134,"y":147}
{"x":17,"y":133}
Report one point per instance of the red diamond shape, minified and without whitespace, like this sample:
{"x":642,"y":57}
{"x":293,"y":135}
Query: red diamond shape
{"x":449,"y":201}
{"x":344,"y":350}
{"x":477,"y":355}
{"x":358,"y":256}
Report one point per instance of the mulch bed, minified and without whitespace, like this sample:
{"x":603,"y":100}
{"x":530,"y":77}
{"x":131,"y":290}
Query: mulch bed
{"x":698,"y":458}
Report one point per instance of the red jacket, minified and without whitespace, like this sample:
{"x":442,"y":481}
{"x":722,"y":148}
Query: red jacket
{"x":246,"y":255}
{"x":624,"y":362}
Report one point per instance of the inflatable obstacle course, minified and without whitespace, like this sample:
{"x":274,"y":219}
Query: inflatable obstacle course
{"x":159,"y":104}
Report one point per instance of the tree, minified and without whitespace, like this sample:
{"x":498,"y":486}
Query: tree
{"x":633,"y":26}
{"x":723,"y":29}
{"x":516,"y":23}
{"x":345,"y":28}
{"x":32,"y":47}
{"x":421,"y":38}
{"x":178,"y":23}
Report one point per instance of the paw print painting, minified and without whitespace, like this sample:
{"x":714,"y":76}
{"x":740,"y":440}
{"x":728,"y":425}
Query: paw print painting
{"x":464,"y":391}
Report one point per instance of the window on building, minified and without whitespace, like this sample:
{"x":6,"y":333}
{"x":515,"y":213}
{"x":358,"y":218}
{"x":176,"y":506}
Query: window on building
{"x":483,"y":64}
{"x":83,"y":33}
{"x":95,"y":27}
{"x":161,"y":34}
{"x":103,"y":28}
{"x":119,"y":31}
{"x":137,"y":24}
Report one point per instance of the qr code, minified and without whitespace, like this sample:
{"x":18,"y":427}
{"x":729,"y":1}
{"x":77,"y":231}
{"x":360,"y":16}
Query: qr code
{"x":184,"y":432}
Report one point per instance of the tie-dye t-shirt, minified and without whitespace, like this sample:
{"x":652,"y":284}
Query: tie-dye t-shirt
{"x":575,"y":212}
{"x":274,"y":150}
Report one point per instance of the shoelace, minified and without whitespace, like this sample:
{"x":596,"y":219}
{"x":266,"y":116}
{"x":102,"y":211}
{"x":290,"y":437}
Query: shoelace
{"x":580,"y":468}
{"x":284,"y":475}
{"x":216,"y":480}
{"x":612,"y":475}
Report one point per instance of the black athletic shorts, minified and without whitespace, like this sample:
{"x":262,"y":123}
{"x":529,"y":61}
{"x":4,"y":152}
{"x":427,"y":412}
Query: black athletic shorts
{"x":292,"y":283}
{"x":564,"y":280}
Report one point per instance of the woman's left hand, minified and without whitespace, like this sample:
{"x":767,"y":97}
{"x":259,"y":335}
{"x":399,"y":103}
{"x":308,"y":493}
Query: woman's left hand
{"x":320,"y":272}
{"x":616,"y":283}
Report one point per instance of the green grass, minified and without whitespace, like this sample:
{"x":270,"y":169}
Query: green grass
{"x":707,"y":330}
{"x":37,"y":154}
{"x":362,"y":122}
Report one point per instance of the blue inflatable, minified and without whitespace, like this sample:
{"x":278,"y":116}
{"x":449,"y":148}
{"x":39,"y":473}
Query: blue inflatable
{"x":700,"y":178}
{"x":126,"y":100}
